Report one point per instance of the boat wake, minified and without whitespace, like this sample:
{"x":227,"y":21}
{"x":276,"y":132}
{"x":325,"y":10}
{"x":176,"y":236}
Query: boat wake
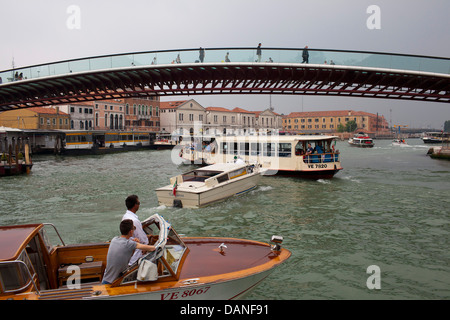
{"x":265,"y":188}
{"x":350,"y":178}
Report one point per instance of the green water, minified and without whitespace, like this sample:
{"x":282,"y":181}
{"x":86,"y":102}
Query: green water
{"x":389,"y":207}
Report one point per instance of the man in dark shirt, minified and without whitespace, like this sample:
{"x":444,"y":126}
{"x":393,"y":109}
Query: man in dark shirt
{"x":120,"y":251}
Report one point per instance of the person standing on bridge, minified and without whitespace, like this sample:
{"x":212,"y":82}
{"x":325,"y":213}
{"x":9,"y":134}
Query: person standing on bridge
{"x":202,"y":54}
{"x":258,"y":53}
{"x":305,"y":55}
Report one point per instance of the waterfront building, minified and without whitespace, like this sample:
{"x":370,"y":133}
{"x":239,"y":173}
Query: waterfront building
{"x":36,"y":118}
{"x":220,"y":121}
{"x":142,"y":114}
{"x":81,"y":115}
{"x":182,"y":117}
{"x":138,"y":114}
{"x":329,"y":121}
{"x":109,"y":115}
{"x":189,"y":117}
{"x":268,"y":120}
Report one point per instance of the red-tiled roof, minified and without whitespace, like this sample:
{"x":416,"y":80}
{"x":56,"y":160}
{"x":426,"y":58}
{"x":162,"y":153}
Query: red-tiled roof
{"x":43,"y":110}
{"x":171,"y":104}
{"x":218,"y":109}
{"x":332,"y":113}
{"x":240,"y":110}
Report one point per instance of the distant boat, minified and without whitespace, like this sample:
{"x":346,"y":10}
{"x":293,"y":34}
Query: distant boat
{"x":209,"y":184}
{"x":436,"y":137}
{"x":400,"y":143}
{"x":361,"y":140}
{"x":439,"y":152}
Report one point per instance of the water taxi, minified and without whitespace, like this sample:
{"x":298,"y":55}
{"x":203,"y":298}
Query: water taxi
{"x":276,"y":154}
{"x":201,"y":187}
{"x":361,"y":140}
{"x":180,"y":268}
{"x":399,"y":143}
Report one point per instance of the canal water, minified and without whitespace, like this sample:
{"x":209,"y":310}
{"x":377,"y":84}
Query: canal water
{"x":389,"y":208}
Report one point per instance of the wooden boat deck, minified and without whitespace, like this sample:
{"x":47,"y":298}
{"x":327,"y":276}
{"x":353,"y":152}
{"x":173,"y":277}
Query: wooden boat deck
{"x":205,"y":259}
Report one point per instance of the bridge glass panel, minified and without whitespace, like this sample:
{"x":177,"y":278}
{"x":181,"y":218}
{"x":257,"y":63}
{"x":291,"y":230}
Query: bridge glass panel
{"x":123,"y":61}
{"x":79,"y":65}
{"x":435,"y":65}
{"x":236,"y":55}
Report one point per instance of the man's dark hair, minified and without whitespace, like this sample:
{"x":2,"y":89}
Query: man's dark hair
{"x":126,"y":226}
{"x":130,"y":201}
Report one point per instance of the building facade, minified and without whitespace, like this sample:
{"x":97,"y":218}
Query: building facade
{"x":36,"y":118}
{"x":189,"y":117}
{"x":142,"y":114}
{"x":183,"y":117}
{"x":330,"y":121}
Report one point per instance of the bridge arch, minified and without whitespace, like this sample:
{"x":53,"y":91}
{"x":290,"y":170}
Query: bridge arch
{"x":329,"y":72}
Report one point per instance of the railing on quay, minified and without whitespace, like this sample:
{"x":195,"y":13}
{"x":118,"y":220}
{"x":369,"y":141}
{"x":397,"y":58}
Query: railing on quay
{"x":361,"y":59}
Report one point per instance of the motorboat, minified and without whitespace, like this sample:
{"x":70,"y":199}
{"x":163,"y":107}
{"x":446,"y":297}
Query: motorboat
{"x":399,"y":143}
{"x":441,"y":152}
{"x":209,"y":184}
{"x":361,"y":141}
{"x":180,"y":268}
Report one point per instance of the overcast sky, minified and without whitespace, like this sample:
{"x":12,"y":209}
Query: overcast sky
{"x":45,"y":31}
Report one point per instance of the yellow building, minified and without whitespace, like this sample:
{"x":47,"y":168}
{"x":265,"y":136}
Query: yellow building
{"x":329,"y":121}
{"x":43,"y":118}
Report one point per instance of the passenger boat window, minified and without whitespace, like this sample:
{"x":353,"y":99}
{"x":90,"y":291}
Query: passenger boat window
{"x":299,"y":149}
{"x":284,"y":150}
{"x":255,"y":149}
{"x":244,"y":148}
{"x":224,"y":147}
{"x":268,"y":149}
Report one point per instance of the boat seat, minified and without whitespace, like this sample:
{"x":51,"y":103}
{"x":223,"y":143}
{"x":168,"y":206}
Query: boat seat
{"x":89,"y":272}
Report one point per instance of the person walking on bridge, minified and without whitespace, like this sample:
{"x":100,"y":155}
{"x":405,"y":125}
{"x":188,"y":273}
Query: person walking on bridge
{"x":258,"y":53}
{"x":202,"y":54}
{"x":305,"y":55}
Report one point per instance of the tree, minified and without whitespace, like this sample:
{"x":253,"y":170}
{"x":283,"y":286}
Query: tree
{"x":447,"y":126}
{"x":351,"y":126}
{"x":340,"y":127}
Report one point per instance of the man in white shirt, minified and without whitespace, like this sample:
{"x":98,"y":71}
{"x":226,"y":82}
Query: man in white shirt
{"x":132,"y":202}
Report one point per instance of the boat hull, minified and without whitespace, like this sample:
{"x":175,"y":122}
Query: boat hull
{"x":9,"y":170}
{"x":227,"y":290}
{"x":313,"y":175}
{"x":195,"y":199}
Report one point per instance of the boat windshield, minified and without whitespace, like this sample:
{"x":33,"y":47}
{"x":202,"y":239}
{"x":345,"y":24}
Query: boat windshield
{"x":200,"y":175}
{"x":173,"y":246}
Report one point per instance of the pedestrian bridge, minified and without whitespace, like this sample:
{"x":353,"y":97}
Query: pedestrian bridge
{"x":228,"y":71}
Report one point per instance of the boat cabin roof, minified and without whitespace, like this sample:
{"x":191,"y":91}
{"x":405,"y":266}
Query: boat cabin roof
{"x":14,"y":238}
{"x":222,"y":167}
{"x":274,"y":139}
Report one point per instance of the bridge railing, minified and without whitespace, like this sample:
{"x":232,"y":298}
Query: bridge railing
{"x":219,"y":55}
